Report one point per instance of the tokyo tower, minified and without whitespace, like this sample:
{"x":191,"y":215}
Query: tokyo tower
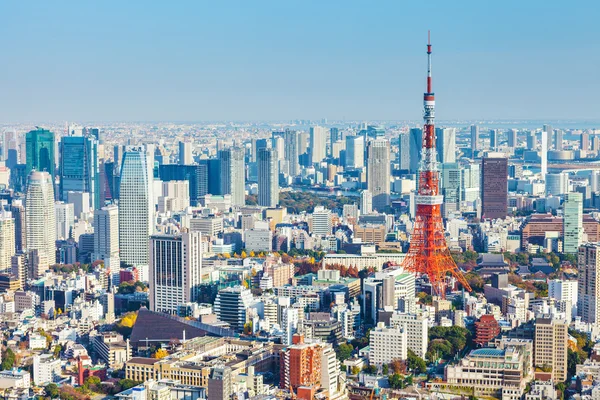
{"x":428,"y":252}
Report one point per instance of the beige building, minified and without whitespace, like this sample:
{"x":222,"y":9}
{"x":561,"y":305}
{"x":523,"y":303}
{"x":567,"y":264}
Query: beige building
{"x":370,"y":233}
{"x":550,"y":347}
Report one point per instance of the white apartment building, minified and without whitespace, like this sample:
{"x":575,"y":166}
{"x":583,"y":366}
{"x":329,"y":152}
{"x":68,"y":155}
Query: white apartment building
{"x":387,"y":344}
{"x":45,"y":369}
{"x":416,"y":327}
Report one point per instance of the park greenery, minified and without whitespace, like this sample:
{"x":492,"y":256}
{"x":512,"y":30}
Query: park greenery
{"x":447,"y":342}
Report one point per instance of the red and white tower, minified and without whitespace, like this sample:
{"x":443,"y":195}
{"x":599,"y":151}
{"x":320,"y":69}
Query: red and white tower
{"x":428,"y":252}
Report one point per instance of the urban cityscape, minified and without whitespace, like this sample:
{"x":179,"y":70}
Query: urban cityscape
{"x":309,"y":258}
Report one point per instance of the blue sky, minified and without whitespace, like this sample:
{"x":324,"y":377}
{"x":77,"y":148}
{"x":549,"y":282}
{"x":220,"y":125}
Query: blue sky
{"x":279,"y":60}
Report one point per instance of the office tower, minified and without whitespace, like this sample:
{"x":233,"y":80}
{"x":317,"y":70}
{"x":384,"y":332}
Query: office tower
{"x":7,"y":238}
{"x":18,"y":213}
{"x":366,"y":202}
{"x":256,"y":146}
{"x":588,"y":283}
{"x":291,"y":152}
{"x":303,"y":142}
{"x":594,"y":180}
{"x":531,"y":142}
{"x":550,"y":344}
{"x":40,"y":151}
{"x":557,"y":183}
{"x":334,"y":135}
{"x":175,"y":198}
{"x":494,"y":190}
{"x":572,"y":222}
{"x":451,"y":187}
{"x":544,"y":155}
{"x":136,"y":209}
{"x":321,"y":221}
{"x":584,"y":141}
{"x":404,"y":151}
{"x":220,"y":385}
{"x":548,"y":128}
{"x":494,"y":139}
{"x":558,"y":139}
{"x":355,"y":152}
{"x":233,"y":172}
{"x":196,"y":175}
{"x":474,"y":138}
{"x":595,"y":144}
{"x":40,"y":216}
{"x":318,"y":144}
{"x":416,"y":144}
{"x":185,"y":153}
{"x":106,"y":239}
{"x":470,"y":182}
{"x":231,"y":304}
{"x":445,"y":139}
{"x":388,"y":344}
{"x":175,"y":270}
{"x":278,"y":143}
{"x":79,"y":169}
{"x":512,"y":138}
{"x":268,"y":178}
{"x":65,"y":219}
{"x":378,"y":172}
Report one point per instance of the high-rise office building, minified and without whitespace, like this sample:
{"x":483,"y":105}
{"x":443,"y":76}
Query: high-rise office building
{"x":268,"y":178}
{"x":106,"y":239}
{"x":584,"y":141}
{"x":474,"y":138}
{"x":65,"y":219}
{"x":18,"y":213}
{"x":175,"y":270}
{"x":451,"y":188}
{"x":494,"y":139}
{"x":404,"y":151}
{"x":548,"y":128}
{"x":255,"y":147}
{"x":321,"y":221}
{"x":366,"y":202}
{"x":355,"y":152}
{"x":231,"y":305}
{"x":197,"y":176}
{"x":544,"y":155}
{"x":588,"y":283}
{"x":291,"y":152}
{"x":445,"y":139}
{"x":470,"y":182}
{"x":512,"y":138}
{"x":136,"y":207}
{"x":233,"y":180}
{"x":79,"y":169}
{"x":572,"y":222}
{"x":185,"y":153}
{"x":558,"y":139}
{"x":40,"y":216}
{"x":557,"y":183}
{"x":378,"y":172}
{"x":551,"y":339}
{"x":7,"y":239}
{"x":494,"y":190}
{"x":531,"y":141}
{"x":40,"y":151}
{"x":334,"y":135}
{"x":416,"y":144}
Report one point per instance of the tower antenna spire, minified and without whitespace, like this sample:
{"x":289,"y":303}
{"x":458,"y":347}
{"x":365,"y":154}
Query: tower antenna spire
{"x":428,"y":253}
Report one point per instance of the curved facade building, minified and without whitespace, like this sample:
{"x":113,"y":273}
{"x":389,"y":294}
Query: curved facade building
{"x":557,"y":184}
{"x":40,"y":217}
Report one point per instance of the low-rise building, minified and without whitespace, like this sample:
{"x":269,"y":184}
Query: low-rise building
{"x":15,"y":379}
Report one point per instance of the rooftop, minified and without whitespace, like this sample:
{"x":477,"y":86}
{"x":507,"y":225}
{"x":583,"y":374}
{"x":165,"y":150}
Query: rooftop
{"x":487,"y":352}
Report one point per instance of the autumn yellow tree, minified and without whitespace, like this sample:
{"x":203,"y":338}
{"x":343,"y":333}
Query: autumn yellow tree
{"x":160,"y":353}
{"x":243,"y":255}
{"x":252,"y":254}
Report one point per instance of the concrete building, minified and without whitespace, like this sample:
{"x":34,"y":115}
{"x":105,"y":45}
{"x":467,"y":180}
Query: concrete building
{"x":557,"y":183}
{"x":268,"y":178}
{"x":494,"y":190}
{"x":106,"y":238}
{"x":231,"y":305}
{"x":220,"y":383}
{"x":258,"y":240}
{"x":378,"y":172}
{"x":175,"y":197}
{"x":588,"y":283}
{"x":417,"y":328}
{"x":474,"y":138}
{"x":387,"y":344}
{"x":40,"y":216}
{"x":15,"y":379}
{"x":321,"y":221}
{"x":445,"y":139}
{"x":7,"y":239}
{"x":550,"y":346}
{"x":112,"y":349}
{"x":366,"y":202}
{"x":45,"y":369}
{"x":185,"y":153}
{"x":65,"y":219}
{"x":233,"y":180}
{"x":355,"y":152}
{"x":318,"y":144}
{"x":573,"y":222}
{"x":175,"y":270}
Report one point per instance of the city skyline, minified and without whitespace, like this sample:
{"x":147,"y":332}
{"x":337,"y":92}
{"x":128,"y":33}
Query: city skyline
{"x":201,"y":62}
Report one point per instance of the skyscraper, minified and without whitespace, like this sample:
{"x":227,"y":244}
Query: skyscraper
{"x":572,"y":222}
{"x":548,"y":128}
{"x":185,"y":153}
{"x":470,"y":182}
{"x":474,"y":138}
{"x":557,"y":184}
{"x":40,"y":217}
{"x":588,"y":283}
{"x":318,"y":144}
{"x":40,"y":151}
{"x":7,"y":238}
{"x":268,"y":178}
{"x":531,"y":142}
{"x":291,"y":152}
{"x":494,"y":139}
{"x":378,"y":172}
{"x":106,"y":239}
{"x":558,"y":139}
{"x":451,"y":177}
{"x":136,"y":209}
{"x":494,"y":190}
{"x":79,"y":170}
{"x":404,"y":151}
{"x":175,"y":270}
{"x":550,"y":345}
{"x":233,"y":180}
{"x":18,"y":213}
{"x":512,"y":138}
{"x":446,"y":144}
{"x":584,"y":141}
{"x":416,"y":143}
{"x":65,"y":219}
{"x":355,"y":152}
{"x":544,"y":155}
{"x":366,"y":202}
{"x":197,"y":176}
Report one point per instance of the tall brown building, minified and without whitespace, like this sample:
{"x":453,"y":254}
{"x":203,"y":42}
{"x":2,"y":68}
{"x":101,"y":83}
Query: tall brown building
{"x":494,"y":188}
{"x":486,"y":330}
{"x":550,"y":346}
{"x":300,"y":364}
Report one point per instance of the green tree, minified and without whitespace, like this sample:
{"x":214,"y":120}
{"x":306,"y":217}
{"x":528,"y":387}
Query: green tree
{"x":57,"y":350}
{"x":8,"y":359}
{"x":344,"y":351}
{"x":51,"y":390}
{"x":416,"y":363}
{"x":127,"y":384}
{"x":385,"y":369}
{"x":396,"y":381}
